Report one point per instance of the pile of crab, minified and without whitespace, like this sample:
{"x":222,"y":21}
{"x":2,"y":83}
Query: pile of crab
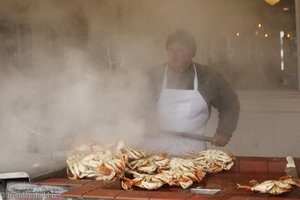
{"x":134,"y":167}
{"x":96,"y":161}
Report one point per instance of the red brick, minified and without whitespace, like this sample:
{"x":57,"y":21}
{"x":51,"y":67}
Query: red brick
{"x":284,"y":198}
{"x":78,"y":182}
{"x":253,"y":158}
{"x":236,"y":166}
{"x":135,"y":195}
{"x":199,"y":197}
{"x":276,"y":166}
{"x":206,"y":196}
{"x":79,"y":191}
{"x":115,"y":185}
{"x":55,"y":181}
{"x":171,"y":195}
{"x":243,"y":197}
{"x":103,"y":193}
{"x":253,"y":166}
{"x":100,"y":184}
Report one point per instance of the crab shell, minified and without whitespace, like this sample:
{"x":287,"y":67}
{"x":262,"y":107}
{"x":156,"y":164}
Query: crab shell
{"x":275,"y":187}
{"x":150,"y":184}
{"x":213,"y":160}
{"x":290,"y":180}
{"x":150,"y":164}
{"x":101,"y":165}
{"x":148,"y":169}
{"x":135,"y":153}
{"x":75,"y":168}
{"x":185,"y":182}
{"x":181,"y":164}
{"x":272,"y":187}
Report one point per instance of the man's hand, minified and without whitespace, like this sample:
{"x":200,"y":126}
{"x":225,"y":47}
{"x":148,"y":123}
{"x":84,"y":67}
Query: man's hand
{"x":220,"y":139}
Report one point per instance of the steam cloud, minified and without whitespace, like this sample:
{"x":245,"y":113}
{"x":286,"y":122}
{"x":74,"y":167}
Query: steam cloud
{"x":71,"y":69}
{"x":76,"y":88}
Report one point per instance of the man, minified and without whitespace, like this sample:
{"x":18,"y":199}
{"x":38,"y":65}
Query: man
{"x":186,"y":91}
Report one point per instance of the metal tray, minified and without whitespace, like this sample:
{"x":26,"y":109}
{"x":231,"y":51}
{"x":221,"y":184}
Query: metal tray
{"x":204,"y":191}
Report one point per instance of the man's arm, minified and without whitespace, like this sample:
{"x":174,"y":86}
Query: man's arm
{"x":226,"y":102}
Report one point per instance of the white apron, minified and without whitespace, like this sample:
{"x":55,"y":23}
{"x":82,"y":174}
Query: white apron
{"x":182,"y":111}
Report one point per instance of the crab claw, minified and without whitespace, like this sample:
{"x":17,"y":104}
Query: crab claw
{"x":285,"y":177}
{"x":103,"y":169}
{"x":124,"y":160}
{"x":70,"y":174}
{"x":232,"y":156}
{"x":199,"y":174}
{"x":185,"y":182}
{"x":243,"y":186}
{"x":290,"y":180}
{"x":127,"y":183}
{"x":253,"y":182}
{"x":159,"y":170}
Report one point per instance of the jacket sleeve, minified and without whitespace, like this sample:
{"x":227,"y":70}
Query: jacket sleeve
{"x":226,"y":101}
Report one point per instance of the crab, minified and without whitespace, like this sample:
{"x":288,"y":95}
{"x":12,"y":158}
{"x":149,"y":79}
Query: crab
{"x":185,"y":181}
{"x":181,"y":164}
{"x":95,"y":159}
{"x":111,"y":169}
{"x":274,"y":187}
{"x":144,"y":169}
{"x":75,"y":168}
{"x":150,"y":164}
{"x":146,"y":181}
{"x":184,"y":172}
{"x":291,"y":180}
{"x":187,"y":166}
{"x":134,"y":154}
{"x":149,"y":182}
{"x":213,"y":160}
{"x":98,"y":163}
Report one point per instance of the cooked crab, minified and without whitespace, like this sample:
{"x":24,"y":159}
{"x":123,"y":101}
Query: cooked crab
{"x":275,"y":187}
{"x":184,"y":172}
{"x":291,"y":180}
{"x":150,"y":164}
{"x":133,"y":153}
{"x":187,"y":167}
{"x":146,"y":181}
{"x":75,"y":168}
{"x":213,"y":160}
{"x":98,"y":163}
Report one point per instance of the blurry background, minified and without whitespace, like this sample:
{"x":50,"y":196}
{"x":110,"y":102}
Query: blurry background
{"x":71,"y":69}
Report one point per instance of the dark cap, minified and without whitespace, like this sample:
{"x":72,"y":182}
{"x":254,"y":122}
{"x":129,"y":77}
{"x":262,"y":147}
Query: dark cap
{"x":185,"y":38}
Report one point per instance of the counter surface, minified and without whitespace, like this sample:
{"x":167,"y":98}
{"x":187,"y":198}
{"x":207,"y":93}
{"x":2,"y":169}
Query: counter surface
{"x":244,"y":170}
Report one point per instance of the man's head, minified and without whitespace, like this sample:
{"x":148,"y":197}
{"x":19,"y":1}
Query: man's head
{"x":181,"y":48}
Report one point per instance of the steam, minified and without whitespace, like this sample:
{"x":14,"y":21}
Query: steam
{"x":76,"y":88}
{"x":71,"y":69}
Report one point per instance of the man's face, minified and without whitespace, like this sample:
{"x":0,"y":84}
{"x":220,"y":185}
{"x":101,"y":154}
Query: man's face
{"x":179,"y":56}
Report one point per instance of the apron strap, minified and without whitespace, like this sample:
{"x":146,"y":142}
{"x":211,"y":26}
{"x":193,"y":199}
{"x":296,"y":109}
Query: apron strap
{"x":165,"y":78}
{"x":195,"y":78}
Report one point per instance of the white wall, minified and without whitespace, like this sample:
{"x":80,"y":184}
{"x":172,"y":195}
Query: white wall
{"x":269,"y":122}
{"x":269,"y":125}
